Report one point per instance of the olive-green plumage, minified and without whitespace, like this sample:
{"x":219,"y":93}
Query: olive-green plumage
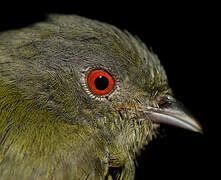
{"x":51,"y":125}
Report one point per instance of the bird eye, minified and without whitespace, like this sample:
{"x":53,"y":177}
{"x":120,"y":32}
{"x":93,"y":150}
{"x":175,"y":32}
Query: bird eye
{"x":100,"y":82}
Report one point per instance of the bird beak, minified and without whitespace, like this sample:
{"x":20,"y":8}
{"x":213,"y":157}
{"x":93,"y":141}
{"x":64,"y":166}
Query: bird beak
{"x":172,"y":112}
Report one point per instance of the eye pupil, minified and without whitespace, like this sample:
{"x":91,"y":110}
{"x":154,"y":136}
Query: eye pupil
{"x":101,"y":82}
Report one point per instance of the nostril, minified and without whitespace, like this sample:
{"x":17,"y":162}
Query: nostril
{"x":165,"y":102}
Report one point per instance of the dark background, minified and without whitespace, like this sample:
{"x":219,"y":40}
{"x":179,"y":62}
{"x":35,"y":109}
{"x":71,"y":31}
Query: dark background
{"x":180,"y":34}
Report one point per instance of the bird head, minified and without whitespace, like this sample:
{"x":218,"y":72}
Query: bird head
{"x":95,"y":76}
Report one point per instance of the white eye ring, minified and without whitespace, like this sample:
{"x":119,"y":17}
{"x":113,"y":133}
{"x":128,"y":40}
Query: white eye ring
{"x":84,"y":82}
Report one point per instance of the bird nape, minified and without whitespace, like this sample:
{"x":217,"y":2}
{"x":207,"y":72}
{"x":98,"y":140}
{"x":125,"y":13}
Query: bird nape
{"x":78,"y":100}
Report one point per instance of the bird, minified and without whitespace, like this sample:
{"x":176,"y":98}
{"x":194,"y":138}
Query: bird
{"x":79,"y":99}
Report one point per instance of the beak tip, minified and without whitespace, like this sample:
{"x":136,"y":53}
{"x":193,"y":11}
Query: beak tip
{"x":197,"y":127}
{"x":200,"y":130}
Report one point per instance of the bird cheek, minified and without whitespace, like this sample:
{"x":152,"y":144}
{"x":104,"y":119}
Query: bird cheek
{"x":126,"y":105}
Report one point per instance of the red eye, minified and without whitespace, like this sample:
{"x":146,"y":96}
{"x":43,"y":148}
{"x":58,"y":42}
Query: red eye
{"x":100,"y":82}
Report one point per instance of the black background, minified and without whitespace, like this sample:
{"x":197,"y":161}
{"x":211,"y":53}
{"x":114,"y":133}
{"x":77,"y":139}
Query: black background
{"x":180,"y":34}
